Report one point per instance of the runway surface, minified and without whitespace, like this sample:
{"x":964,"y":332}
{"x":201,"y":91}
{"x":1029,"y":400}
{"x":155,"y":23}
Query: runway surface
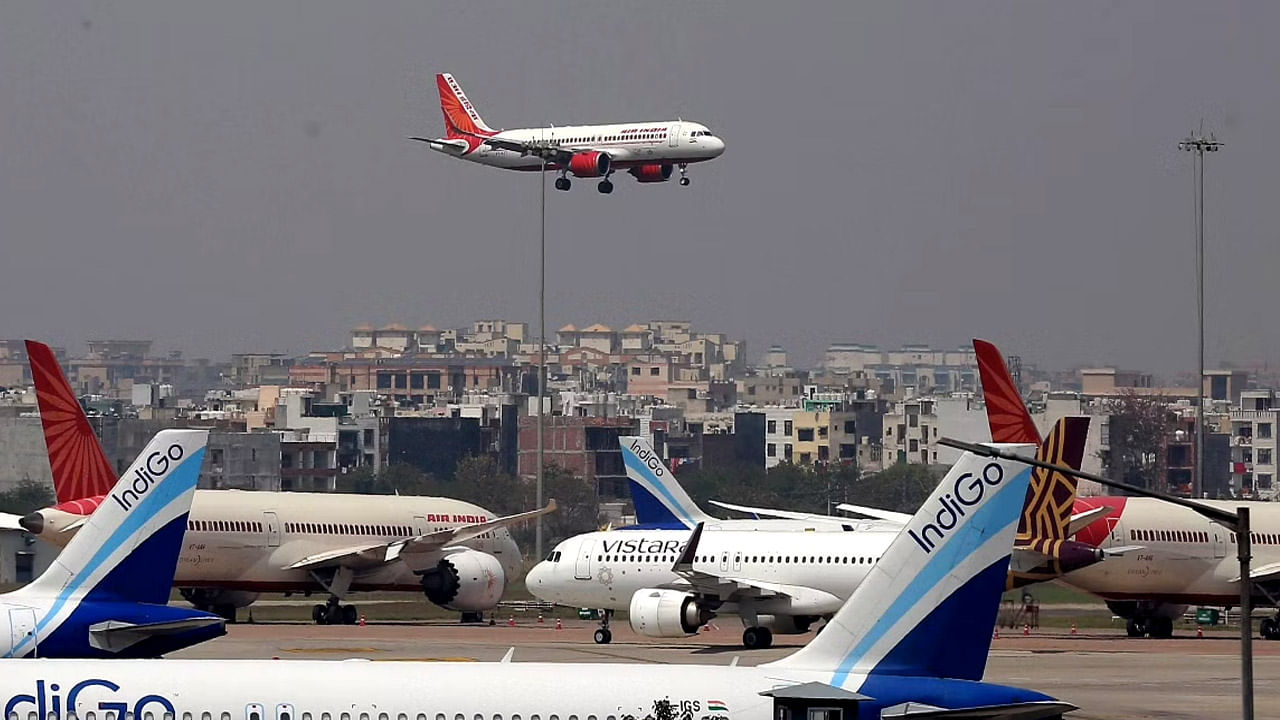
{"x":1108,"y":675}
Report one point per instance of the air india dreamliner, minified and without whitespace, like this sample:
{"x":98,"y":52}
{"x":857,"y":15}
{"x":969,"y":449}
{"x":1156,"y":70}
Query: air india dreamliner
{"x":239,"y":544}
{"x":648,"y":151}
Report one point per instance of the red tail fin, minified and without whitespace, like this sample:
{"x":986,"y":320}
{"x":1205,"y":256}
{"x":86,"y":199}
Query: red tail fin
{"x":80,"y":467}
{"x":1006,"y":414}
{"x":460,"y":117}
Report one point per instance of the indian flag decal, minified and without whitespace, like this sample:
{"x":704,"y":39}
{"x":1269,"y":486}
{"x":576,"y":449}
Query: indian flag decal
{"x":717,"y":706}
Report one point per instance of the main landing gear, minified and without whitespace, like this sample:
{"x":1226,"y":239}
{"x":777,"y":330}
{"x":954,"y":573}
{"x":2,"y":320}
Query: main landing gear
{"x":604,"y":635}
{"x":334,"y":613}
{"x":605,"y":187}
{"x":757,"y":638}
{"x":684,"y":179}
{"x":1270,"y":628}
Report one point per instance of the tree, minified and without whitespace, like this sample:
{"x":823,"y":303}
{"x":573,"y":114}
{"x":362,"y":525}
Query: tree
{"x":578,"y":505}
{"x":1139,"y":426}
{"x":28,"y":495}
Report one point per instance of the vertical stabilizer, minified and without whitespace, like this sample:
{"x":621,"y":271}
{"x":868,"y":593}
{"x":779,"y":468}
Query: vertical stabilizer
{"x":80,"y":467}
{"x":928,"y":606}
{"x":1006,"y":413}
{"x":659,"y":499}
{"x":461,"y":119}
{"x":128,"y":549}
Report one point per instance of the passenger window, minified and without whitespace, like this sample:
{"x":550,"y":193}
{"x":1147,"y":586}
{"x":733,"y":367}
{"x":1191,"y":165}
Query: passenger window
{"x":364,"y":716}
{"x":225,"y":715}
{"x":345,"y":716}
{"x":91,"y":715}
{"x":325,"y":716}
{"x":306,"y":716}
{"x":284,"y":712}
{"x":459,"y":716}
{"x":255,"y":714}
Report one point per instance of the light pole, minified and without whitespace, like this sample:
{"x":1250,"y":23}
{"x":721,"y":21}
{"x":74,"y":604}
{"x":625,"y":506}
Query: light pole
{"x":542,"y":342}
{"x":1236,"y":522}
{"x":1197,"y":143}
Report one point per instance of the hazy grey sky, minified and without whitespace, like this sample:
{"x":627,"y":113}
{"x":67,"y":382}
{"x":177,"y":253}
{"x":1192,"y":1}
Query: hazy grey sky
{"x":234,"y":176}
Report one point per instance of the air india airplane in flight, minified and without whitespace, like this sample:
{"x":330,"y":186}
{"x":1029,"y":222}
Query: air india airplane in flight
{"x":646,"y":150}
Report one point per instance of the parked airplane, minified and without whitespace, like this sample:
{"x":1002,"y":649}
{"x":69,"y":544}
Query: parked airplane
{"x":1172,"y":558}
{"x":879,"y":658}
{"x":240,"y":544}
{"x":106,"y":593}
{"x":646,"y":150}
{"x":775,"y":578}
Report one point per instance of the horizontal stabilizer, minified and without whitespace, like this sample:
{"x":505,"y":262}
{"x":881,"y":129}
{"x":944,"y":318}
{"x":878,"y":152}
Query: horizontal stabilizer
{"x":10,"y":522}
{"x":1122,"y":550}
{"x":900,"y":518}
{"x":1080,"y":521}
{"x":1013,"y":711}
{"x":116,"y":635}
{"x":441,"y":143}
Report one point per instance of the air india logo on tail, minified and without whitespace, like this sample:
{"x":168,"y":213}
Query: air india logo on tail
{"x":157,"y":465}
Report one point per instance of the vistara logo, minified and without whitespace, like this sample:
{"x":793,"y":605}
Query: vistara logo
{"x":966,"y":493}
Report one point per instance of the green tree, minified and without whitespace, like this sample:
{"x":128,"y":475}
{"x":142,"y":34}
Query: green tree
{"x":578,"y":506}
{"x":26,"y":496}
{"x":1139,"y":426}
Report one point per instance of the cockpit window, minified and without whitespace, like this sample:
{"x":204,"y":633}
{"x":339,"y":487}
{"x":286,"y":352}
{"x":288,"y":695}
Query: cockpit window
{"x":553,"y":556}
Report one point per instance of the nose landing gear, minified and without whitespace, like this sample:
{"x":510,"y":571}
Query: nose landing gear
{"x":603,"y":635}
{"x":684,"y":180}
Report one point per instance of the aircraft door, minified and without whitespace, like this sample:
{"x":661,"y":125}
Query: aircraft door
{"x":1216,"y":533}
{"x":582,"y":568}
{"x":673,"y":135}
{"x":272,"y":524}
{"x":419,"y":524}
{"x":22,"y":624}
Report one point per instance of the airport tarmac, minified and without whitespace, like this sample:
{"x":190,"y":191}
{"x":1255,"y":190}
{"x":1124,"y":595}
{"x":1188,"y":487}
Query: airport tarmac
{"x":1105,"y":673}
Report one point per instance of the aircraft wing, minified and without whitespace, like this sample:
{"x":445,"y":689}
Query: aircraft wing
{"x":897,"y":517}
{"x":1266,"y":573}
{"x":784,"y":514}
{"x":117,"y":635}
{"x":361,"y":557}
{"x":734,"y":589}
{"x":1080,"y":521}
{"x":1013,"y":711}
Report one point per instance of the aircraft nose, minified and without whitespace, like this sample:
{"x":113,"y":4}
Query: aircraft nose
{"x":717,"y":145}
{"x":539,"y":579}
{"x":32,"y":523}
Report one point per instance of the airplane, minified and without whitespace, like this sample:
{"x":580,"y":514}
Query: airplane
{"x":882,"y":656}
{"x":1169,"y":557}
{"x":775,"y":578}
{"x":648,"y":151}
{"x":240,"y":544}
{"x":106,"y":594}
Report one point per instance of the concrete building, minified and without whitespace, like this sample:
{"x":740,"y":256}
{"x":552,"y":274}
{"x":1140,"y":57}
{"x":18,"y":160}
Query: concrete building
{"x":23,"y":558}
{"x":22,"y":450}
{"x":911,"y":432}
{"x":588,"y":447}
{"x":1252,"y":441}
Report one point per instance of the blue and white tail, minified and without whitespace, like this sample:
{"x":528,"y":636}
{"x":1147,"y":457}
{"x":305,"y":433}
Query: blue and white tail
{"x":128,"y":549}
{"x":928,"y":607}
{"x":659,"y":499}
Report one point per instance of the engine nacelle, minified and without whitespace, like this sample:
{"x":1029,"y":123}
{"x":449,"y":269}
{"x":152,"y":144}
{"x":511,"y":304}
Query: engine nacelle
{"x":653,"y":173}
{"x":786,"y":624}
{"x":214,"y":598}
{"x":666,"y":613}
{"x":592,"y":163}
{"x":468,"y":581}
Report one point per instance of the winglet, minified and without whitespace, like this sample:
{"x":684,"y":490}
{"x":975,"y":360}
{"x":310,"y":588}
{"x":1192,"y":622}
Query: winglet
{"x":659,"y":499}
{"x":685,"y":561}
{"x":941,"y":577}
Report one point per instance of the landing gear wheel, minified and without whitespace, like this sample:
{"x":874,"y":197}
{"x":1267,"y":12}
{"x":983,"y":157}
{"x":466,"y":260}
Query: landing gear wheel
{"x":318,"y":614}
{"x":757,"y":638}
{"x":349,"y":615}
{"x":605,"y":187}
{"x":562,"y":183}
{"x":1135,"y":628}
{"x":1160,"y":627}
{"x":1270,"y":629}
{"x":684,"y":181}
{"x":228,"y":612}
{"x":603,"y":636}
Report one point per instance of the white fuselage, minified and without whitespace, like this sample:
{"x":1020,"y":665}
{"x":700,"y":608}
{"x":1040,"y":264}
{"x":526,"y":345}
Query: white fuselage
{"x":366,"y":690}
{"x":628,"y":144}
{"x":605,"y":569}
{"x":1184,"y":558}
{"x":241,"y":540}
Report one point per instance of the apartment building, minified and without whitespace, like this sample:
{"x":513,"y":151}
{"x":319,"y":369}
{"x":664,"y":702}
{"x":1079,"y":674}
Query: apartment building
{"x":1253,"y":445}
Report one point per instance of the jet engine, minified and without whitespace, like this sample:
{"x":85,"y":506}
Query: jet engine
{"x":653,"y":173}
{"x":218,"y":600}
{"x":592,"y":163}
{"x":469,"y":581}
{"x":667,"y":613}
